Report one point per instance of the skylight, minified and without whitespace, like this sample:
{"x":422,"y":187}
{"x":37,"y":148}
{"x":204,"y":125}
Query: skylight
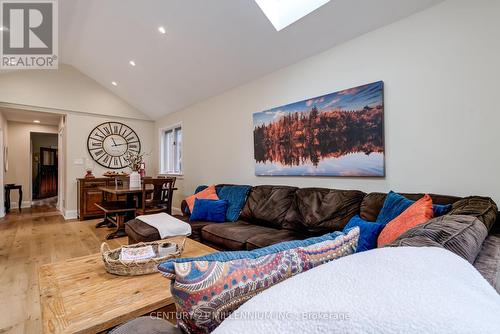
{"x":282,"y":13}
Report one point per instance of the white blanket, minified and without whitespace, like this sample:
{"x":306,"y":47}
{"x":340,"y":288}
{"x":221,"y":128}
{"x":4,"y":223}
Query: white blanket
{"x":166,"y":225}
{"x":387,"y":290}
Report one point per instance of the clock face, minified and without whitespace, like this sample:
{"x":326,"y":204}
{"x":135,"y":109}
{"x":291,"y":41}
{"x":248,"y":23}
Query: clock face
{"x":109,"y":142}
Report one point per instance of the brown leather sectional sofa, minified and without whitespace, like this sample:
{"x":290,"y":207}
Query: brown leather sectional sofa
{"x":281,"y":213}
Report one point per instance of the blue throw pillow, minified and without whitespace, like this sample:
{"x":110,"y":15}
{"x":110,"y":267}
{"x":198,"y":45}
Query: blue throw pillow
{"x":236,"y":196}
{"x":395,"y":204}
{"x":368,"y":233}
{"x":209,"y":210}
{"x":200,"y":188}
{"x":441,"y":209}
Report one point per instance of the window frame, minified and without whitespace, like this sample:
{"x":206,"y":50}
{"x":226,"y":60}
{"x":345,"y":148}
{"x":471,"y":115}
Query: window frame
{"x":161,"y":162}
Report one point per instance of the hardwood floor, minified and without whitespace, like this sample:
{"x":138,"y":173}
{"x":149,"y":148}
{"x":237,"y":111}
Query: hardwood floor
{"x":27,"y":240}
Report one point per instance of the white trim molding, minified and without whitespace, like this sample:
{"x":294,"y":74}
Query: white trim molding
{"x":177,"y":176}
{"x":70,"y":214}
{"x":24,"y":204}
{"x":66,"y":111}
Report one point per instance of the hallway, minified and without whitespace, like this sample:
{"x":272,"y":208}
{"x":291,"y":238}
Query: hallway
{"x":44,"y":205}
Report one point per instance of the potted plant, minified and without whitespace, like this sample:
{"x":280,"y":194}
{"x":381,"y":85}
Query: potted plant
{"x":135,"y":161}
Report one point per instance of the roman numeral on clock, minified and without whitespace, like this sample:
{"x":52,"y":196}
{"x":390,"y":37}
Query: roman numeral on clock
{"x":108,"y":144}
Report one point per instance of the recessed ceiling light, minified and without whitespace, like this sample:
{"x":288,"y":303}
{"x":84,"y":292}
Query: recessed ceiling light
{"x":162,"y":30}
{"x":132,"y":63}
{"x":283,"y":13}
{"x":36,"y":121}
{"x":114,"y":83}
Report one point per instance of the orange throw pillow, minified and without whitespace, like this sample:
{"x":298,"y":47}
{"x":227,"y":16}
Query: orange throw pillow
{"x":418,"y":213}
{"x":208,"y":193}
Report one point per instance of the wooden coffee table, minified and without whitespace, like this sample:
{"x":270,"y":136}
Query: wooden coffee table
{"x":79,"y":296}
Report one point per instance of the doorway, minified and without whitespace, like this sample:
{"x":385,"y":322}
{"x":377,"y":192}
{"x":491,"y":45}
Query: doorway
{"x":44,"y":163}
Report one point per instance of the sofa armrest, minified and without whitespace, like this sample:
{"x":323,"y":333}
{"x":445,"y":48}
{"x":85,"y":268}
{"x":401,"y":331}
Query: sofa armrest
{"x":185,"y":209}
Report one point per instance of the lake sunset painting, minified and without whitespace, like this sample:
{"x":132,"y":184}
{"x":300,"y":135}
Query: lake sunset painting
{"x":339,"y":134}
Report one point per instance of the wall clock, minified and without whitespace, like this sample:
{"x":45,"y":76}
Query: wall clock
{"x":108,"y":144}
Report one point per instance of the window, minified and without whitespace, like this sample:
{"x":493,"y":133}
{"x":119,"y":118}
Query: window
{"x":282,"y":13}
{"x":171,"y":148}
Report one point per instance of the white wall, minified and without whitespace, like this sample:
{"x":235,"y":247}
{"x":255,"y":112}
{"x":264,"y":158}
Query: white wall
{"x":20,"y":157}
{"x":61,"y":171}
{"x":3,"y":142}
{"x":85,"y":104}
{"x":66,"y":88}
{"x":440,"y":69}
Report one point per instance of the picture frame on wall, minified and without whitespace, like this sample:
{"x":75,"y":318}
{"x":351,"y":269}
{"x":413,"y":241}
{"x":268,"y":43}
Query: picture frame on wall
{"x":338,"y":134}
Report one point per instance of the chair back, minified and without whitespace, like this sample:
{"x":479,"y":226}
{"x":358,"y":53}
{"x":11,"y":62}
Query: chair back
{"x":157,"y":192}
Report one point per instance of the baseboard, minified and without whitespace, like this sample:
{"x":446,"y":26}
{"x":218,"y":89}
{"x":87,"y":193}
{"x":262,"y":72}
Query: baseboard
{"x":24,"y":204}
{"x":70,"y":214}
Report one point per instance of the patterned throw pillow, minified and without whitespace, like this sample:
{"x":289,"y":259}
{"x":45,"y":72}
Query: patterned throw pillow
{"x":416,"y":214}
{"x":208,"y":193}
{"x":207,"y":289}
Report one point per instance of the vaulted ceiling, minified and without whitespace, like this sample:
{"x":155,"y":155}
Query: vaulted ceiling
{"x":209,"y":46}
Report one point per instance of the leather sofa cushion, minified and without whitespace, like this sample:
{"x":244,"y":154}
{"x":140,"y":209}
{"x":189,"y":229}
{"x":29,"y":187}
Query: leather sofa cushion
{"x":266,"y":239}
{"x":488,"y":261}
{"x":323,"y":210}
{"x":483,"y":208}
{"x":460,"y":234}
{"x":139,"y":231}
{"x":372,"y":203}
{"x":196,"y":227}
{"x":233,"y":236}
{"x":268,"y":205}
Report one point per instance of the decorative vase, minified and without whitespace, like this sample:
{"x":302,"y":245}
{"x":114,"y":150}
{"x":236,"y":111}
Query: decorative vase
{"x":135,"y":180}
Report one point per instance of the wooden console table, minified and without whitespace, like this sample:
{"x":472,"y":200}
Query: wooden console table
{"x":89,"y":194}
{"x":8,"y":188}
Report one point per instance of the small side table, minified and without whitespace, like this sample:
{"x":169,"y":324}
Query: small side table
{"x":8,"y":188}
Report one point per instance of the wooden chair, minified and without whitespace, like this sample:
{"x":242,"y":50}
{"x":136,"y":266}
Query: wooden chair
{"x":109,"y":219}
{"x":156,"y":195}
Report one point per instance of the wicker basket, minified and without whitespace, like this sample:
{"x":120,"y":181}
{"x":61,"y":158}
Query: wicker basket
{"x":114,"y":265}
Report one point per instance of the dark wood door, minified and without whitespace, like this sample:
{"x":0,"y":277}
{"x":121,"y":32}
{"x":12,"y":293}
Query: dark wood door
{"x":47,"y":174}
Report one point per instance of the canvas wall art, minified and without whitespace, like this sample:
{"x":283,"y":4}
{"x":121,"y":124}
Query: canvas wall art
{"x":339,"y":134}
